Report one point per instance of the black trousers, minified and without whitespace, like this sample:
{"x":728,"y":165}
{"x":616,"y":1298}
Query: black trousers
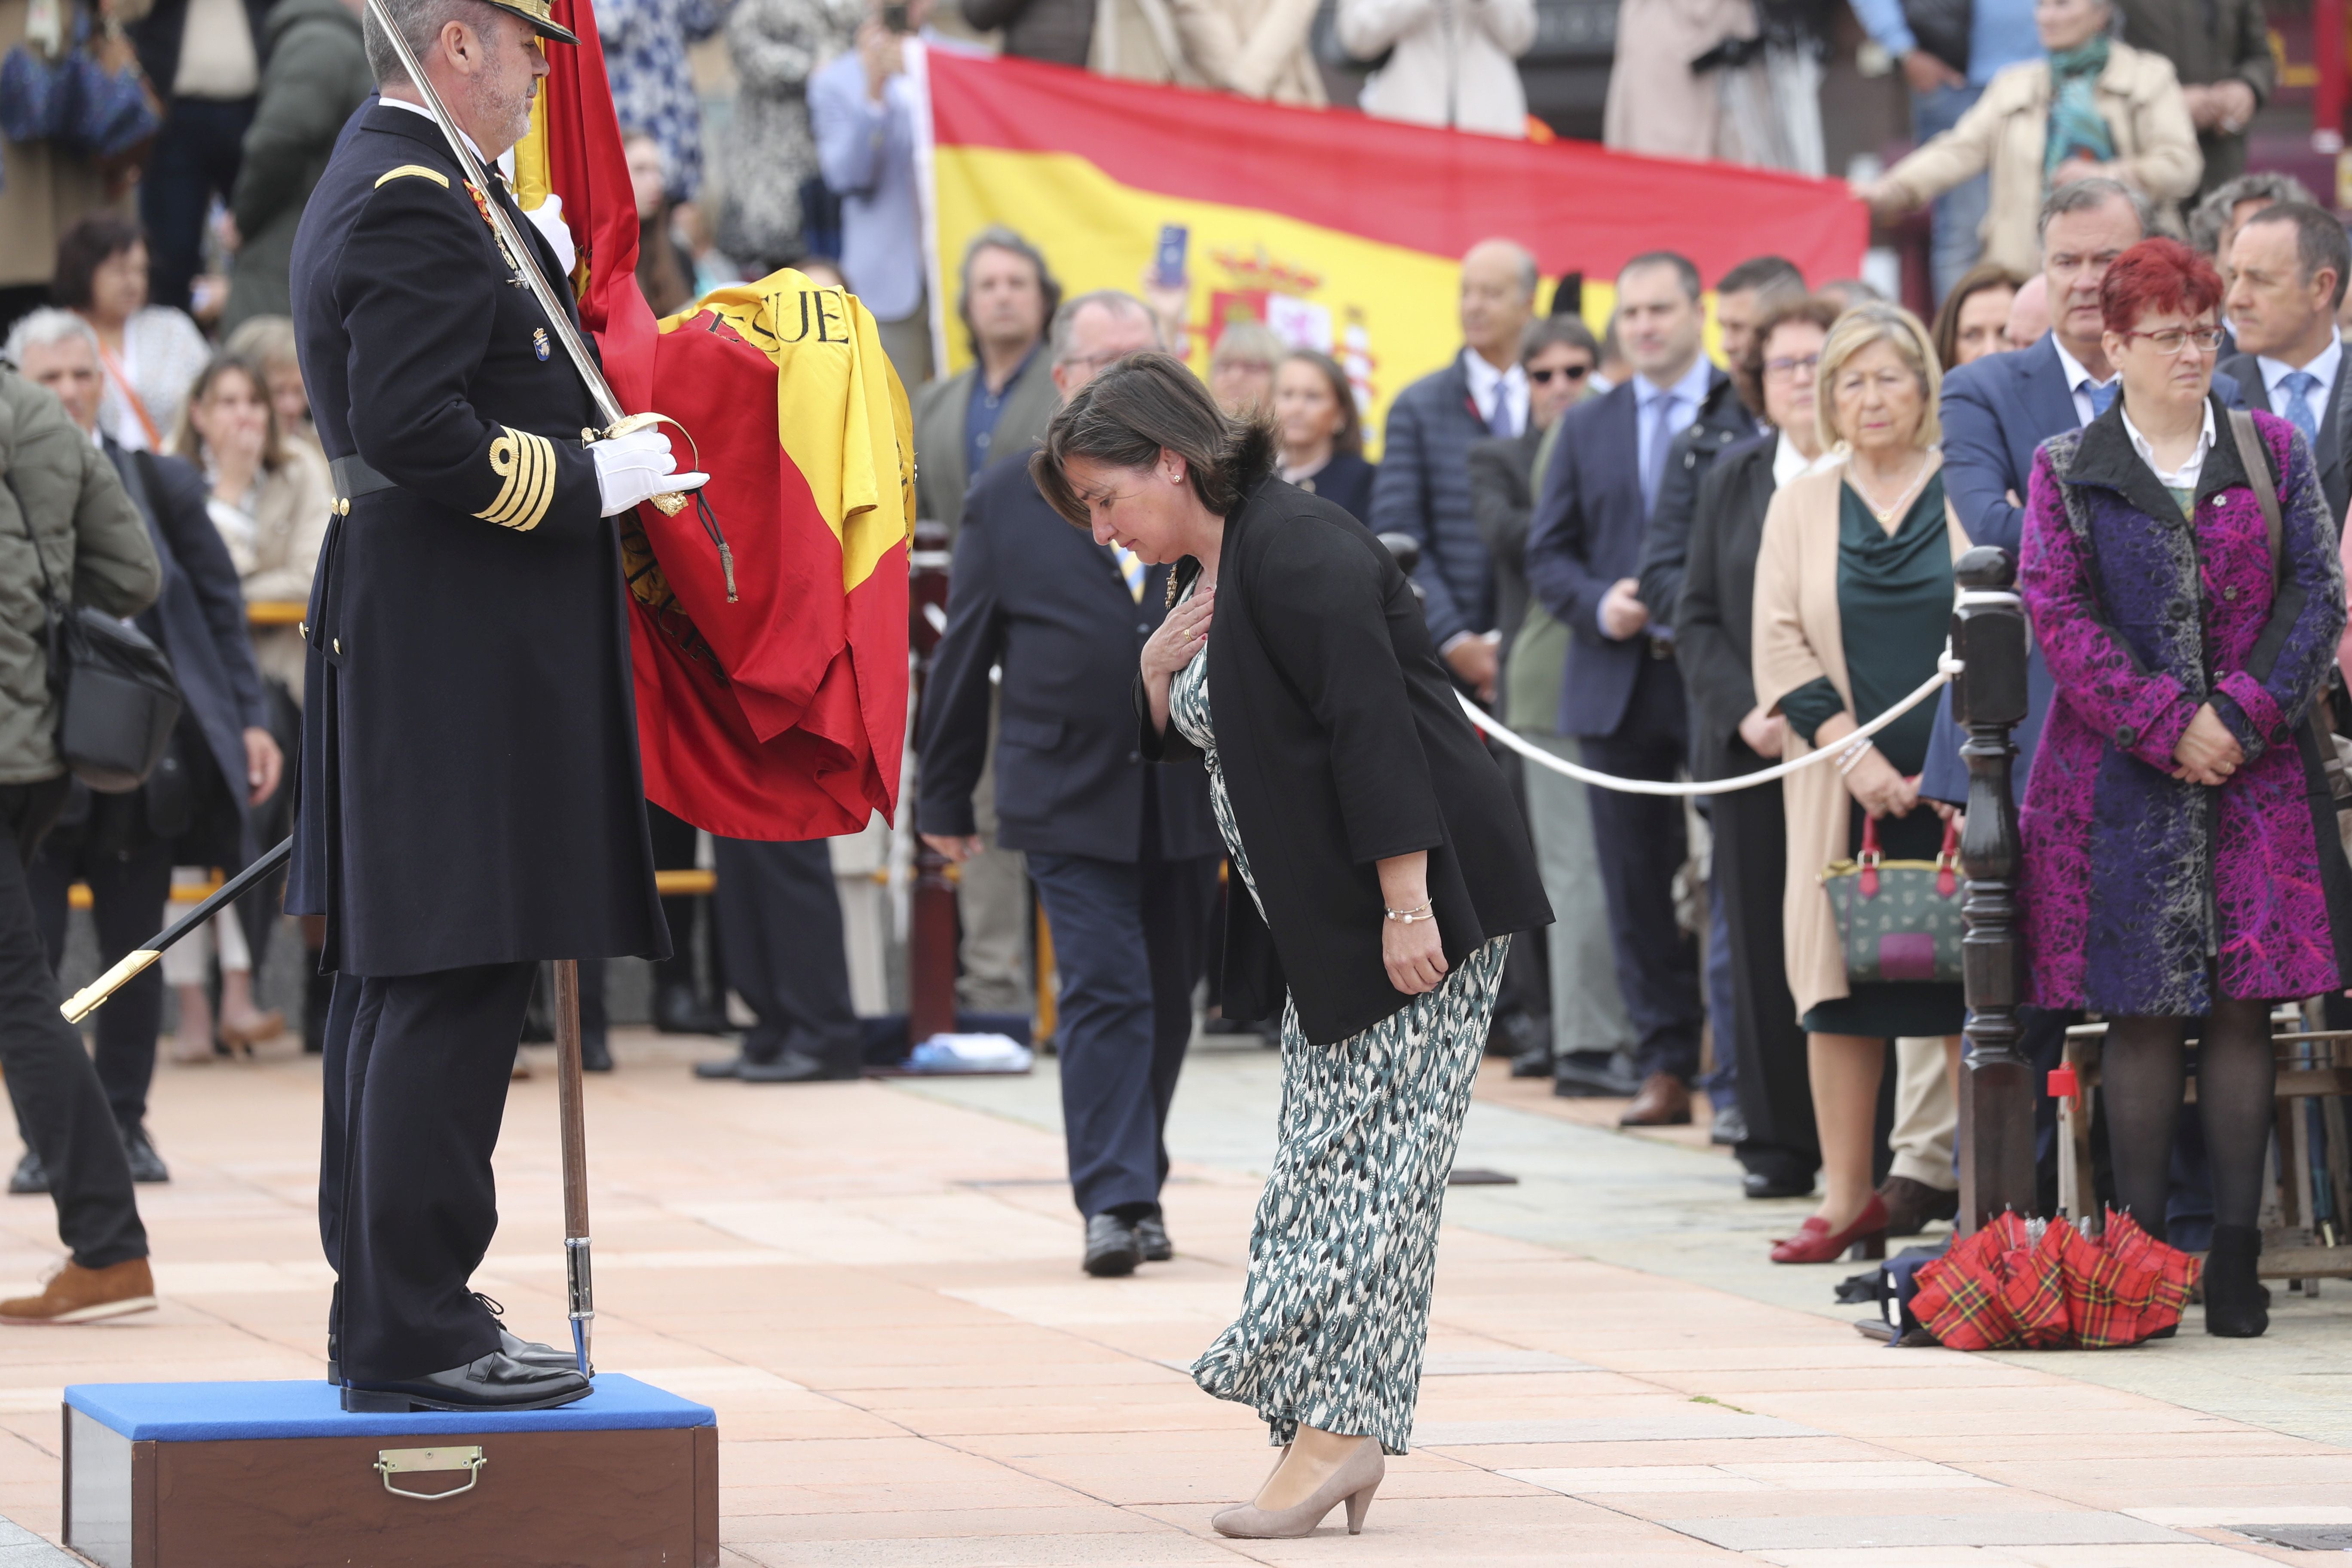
{"x":779,"y":914}
{"x":1775,"y":1085}
{"x":674,"y":845}
{"x":416,"y":1069}
{"x":129,"y":892}
{"x":1127,"y":940}
{"x":1642,"y":843}
{"x":51,"y":1083}
{"x":196,"y":157}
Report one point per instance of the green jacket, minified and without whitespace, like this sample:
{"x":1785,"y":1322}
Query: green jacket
{"x":316,"y":76}
{"x":1538,"y":662}
{"x":92,"y":541}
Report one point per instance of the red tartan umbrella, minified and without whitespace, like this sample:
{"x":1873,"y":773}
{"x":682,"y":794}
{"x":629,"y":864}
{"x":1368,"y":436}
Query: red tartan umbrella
{"x":2043,"y":1286}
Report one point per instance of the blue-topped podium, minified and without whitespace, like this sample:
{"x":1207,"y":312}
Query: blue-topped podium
{"x":278,"y":1475}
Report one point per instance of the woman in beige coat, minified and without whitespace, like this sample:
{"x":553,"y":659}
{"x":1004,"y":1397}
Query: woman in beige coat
{"x":2115,"y":110}
{"x":1258,"y":49}
{"x":1450,"y":62}
{"x":1857,"y":556}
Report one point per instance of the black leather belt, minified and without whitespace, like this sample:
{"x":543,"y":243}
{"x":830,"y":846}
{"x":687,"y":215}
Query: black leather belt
{"x":354,"y":478}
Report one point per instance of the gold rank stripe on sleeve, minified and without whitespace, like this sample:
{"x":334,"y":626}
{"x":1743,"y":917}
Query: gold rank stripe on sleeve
{"x":419,"y":170}
{"x":527,"y":463}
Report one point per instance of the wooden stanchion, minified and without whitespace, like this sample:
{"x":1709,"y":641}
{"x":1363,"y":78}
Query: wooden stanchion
{"x":1997,"y":1088}
{"x":931,"y":935}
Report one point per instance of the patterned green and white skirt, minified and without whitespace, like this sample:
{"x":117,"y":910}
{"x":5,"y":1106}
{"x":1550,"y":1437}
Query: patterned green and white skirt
{"x":1344,"y":1248}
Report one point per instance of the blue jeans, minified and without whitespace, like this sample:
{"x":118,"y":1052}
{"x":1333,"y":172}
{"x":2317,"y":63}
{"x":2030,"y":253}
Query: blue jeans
{"x":1959,"y":212}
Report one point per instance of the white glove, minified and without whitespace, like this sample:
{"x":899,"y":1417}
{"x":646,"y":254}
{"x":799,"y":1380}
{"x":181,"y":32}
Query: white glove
{"x":636,"y":467}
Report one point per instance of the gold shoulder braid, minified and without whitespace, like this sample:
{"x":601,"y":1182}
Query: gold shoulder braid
{"x":527,"y":463}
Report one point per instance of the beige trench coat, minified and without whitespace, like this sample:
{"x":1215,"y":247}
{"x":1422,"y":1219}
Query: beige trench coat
{"x":1258,"y":49}
{"x":289,"y":529}
{"x":1800,"y":637}
{"x":1656,"y":104}
{"x":2006,"y":131}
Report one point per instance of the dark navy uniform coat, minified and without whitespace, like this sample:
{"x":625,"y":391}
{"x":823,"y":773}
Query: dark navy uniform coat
{"x":471,"y":791}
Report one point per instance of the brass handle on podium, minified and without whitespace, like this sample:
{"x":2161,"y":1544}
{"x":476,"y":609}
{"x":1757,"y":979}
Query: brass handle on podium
{"x":391,"y":1462}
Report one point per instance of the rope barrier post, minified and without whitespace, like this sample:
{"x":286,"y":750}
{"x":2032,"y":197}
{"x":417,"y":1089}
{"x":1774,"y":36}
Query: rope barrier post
{"x":931,"y":935}
{"x":1997,"y":1088}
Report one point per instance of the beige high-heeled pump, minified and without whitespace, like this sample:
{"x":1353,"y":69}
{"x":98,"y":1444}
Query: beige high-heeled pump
{"x":1353,"y":1483}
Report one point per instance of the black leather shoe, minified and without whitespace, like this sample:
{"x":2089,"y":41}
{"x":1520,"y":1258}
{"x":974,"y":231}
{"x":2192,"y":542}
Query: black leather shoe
{"x":29,"y":1176}
{"x":1151,"y":1239}
{"x":1729,"y":1128}
{"x":725,"y":1067}
{"x":816,"y":1062}
{"x":1111,"y":1247}
{"x":2237,"y":1307}
{"x":596,"y":1053}
{"x":146,"y":1165}
{"x":1581,"y":1075}
{"x":531,"y":1352}
{"x":1775,"y":1185}
{"x":679,"y":1011}
{"x":1533,"y":1062}
{"x":494,"y":1381}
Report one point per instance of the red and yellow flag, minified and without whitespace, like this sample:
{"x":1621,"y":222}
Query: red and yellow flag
{"x":1338,"y":230}
{"x":770,"y":704}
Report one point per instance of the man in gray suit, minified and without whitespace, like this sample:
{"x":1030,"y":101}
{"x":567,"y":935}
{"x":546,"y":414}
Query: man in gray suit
{"x":2288,"y":264}
{"x":995,"y":411}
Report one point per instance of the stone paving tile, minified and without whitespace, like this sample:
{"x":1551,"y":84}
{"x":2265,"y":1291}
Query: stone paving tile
{"x":1766,"y":1532}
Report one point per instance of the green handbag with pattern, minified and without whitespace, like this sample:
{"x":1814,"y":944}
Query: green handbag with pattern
{"x":1898,"y":919}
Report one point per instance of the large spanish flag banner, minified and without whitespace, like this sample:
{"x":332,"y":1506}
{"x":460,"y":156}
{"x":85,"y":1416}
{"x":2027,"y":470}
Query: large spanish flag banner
{"x":769,"y":621}
{"x":1339,"y":231}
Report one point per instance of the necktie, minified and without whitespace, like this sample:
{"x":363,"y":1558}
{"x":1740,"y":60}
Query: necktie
{"x":1131,"y":567}
{"x":2102,"y":397}
{"x":2299,"y":386}
{"x":1502,"y":424}
{"x":1661,"y":436}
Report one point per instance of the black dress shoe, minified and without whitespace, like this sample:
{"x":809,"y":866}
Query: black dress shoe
{"x":494,"y":1381}
{"x":1111,"y":1247}
{"x":808,"y":1059}
{"x":29,"y":1176}
{"x":679,"y":1011}
{"x":1151,"y":1239}
{"x":1729,"y":1128}
{"x":1776,"y":1184}
{"x":596,"y":1053}
{"x":1583,"y":1075}
{"x":725,"y":1067}
{"x":1533,"y":1062}
{"x":146,"y":1165}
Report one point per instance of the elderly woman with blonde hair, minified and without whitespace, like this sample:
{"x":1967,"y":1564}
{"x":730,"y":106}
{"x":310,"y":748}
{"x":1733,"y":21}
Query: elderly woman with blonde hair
{"x":1854,"y":596}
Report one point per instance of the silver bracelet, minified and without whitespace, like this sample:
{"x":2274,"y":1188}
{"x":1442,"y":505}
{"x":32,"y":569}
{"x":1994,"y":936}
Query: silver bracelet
{"x":1851,"y":758}
{"x":1420,"y":911}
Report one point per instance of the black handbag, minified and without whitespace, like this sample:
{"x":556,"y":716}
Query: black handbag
{"x":117,"y":701}
{"x":1942,"y":28}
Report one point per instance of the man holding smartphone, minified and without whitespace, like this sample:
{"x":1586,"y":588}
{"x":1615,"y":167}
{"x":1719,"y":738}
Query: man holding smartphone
{"x":861,"y":108}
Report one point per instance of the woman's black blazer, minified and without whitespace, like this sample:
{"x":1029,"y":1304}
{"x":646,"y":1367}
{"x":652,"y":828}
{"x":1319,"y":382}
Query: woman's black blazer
{"x":1341,"y":744}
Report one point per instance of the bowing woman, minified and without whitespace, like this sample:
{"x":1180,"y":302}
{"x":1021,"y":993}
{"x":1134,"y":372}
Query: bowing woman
{"x":1383,"y":866}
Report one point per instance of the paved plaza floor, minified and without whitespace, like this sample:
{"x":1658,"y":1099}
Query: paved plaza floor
{"x":877,"y":1287}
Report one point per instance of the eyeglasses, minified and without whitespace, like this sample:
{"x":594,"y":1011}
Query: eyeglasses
{"x":2173,"y":340}
{"x":1790,"y":368}
{"x":1568,"y":372}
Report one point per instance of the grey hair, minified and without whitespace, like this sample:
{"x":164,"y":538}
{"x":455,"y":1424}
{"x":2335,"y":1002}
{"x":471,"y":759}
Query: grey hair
{"x":46,"y":326}
{"x":1118,"y":302}
{"x":1530,"y":275}
{"x":420,"y":22}
{"x":2212,"y":215}
{"x":1241,"y":339}
{"x":2095,"y":191}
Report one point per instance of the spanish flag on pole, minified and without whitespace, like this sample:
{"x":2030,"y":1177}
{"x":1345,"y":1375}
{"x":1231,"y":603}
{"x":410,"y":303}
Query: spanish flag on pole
{"x":1341,"y":232}
{"x":772,"y":680}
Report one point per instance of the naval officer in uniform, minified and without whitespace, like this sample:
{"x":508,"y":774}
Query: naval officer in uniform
{"x":471,"y":801}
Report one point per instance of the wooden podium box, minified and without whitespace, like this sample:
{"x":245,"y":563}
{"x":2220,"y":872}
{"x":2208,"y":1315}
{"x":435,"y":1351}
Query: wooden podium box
{"x":277,"y":1475}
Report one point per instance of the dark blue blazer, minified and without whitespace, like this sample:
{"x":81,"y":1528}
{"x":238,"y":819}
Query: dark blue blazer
{"x":1034,"y":595}
{"x":1346,"y":481}
{"x":1588,"y":533}
{"x":1996,"y":413}
{"x":1423,"y":489}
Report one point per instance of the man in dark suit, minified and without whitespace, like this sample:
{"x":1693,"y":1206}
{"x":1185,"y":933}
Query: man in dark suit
{"x":1124,"y":853}
{"x":996,"y":409}
{"x":1423,"y":486}
{"x":1621,"y":696}
{"x":470,"y":798}
{"x":2287,"y":271}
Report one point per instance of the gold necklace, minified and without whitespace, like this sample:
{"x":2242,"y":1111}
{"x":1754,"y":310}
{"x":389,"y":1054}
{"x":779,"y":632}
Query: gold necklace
{"x":1886,"y":515}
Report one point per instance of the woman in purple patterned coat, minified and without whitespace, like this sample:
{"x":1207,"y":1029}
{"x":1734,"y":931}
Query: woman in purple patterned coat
{"x":2181,"y":859}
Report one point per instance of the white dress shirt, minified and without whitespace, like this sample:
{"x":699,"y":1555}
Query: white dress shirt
{"x":2185,"y":477}
{"x":1489,"y":385}
{"x":1789,"y":463}
{"x":2079,"y":383}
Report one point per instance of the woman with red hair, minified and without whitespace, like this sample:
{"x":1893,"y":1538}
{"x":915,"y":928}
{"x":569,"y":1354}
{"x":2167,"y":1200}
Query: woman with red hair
{"x":2182,"y":860}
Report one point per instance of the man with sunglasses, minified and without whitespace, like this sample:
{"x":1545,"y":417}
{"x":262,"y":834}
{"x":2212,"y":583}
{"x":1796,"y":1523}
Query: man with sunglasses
{"x":471,"y":802}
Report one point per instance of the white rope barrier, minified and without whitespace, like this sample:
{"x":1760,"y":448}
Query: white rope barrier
{"x":1946,"y":667}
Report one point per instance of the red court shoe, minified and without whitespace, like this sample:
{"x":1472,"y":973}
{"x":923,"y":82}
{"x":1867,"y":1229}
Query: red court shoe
{"x":1814,"y":1243}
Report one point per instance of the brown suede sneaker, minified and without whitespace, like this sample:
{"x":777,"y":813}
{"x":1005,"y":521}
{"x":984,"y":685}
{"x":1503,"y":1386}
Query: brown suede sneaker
{"x":77,"y":1295}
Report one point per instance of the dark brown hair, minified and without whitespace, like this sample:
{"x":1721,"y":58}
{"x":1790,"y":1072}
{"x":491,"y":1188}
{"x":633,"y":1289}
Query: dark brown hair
{"x":185,"y":441}
{"x":1747,"y":375}
{"x":1947,"y":329}
{"x":1348,"y":440}
{"x":1127,"y":414}
{"x":86,"y":247}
